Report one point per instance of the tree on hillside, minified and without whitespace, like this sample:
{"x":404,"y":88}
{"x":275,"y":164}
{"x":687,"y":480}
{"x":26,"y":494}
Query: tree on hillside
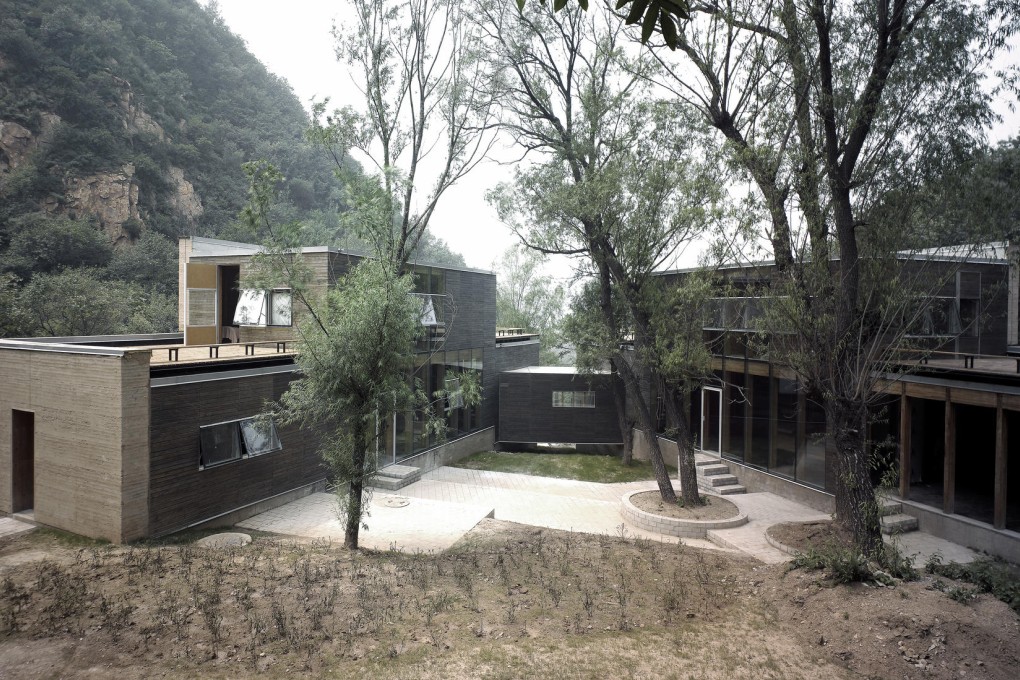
{"x":526,"y":298}
{"x":828,"y":107}
{"x":618,"y":180}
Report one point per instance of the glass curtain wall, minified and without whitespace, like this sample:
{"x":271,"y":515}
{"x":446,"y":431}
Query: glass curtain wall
{"x":770,"y":424}
{"x":435,"y":372}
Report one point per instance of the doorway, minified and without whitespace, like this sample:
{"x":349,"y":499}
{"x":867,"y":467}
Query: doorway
{"x":711,"y":419}
{"x":22,"y":460}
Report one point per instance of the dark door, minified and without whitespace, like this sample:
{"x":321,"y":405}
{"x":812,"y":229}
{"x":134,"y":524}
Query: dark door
{"x":22,"y":460}
{"x":711,"y":419}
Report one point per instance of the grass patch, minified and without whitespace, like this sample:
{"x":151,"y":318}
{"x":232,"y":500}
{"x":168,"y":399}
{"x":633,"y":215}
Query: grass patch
{"x":580,"y":466}
{"x":68,"y":539}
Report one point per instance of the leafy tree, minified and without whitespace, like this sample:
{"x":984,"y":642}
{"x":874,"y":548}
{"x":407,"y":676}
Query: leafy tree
{"x":829,"y":108}
{"x":526,"y":298}
{"x":151,"y":263}
{"x":81,"y":302}
{"x":41,"y":243}
{"x":619,"y":182}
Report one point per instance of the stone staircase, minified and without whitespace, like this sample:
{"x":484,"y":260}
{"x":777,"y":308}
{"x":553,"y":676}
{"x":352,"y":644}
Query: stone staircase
{"x":894,"y":520}
{"x":394,"y":477}
{"x":714,"y":476}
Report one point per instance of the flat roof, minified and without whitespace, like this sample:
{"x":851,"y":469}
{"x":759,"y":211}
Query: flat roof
{"x":213,"y":247}
{"x":560,"y":370}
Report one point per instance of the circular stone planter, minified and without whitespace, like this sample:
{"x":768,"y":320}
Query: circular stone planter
{"x":781,"y":547}
{"x":681,"y":528}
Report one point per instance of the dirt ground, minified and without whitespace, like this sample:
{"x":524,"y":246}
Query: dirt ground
{"x":714,"y":507}
{"x":803,"y":535}
{"x":508,"y":601}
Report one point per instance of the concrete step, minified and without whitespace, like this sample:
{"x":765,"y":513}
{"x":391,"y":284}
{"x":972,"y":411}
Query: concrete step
{"x":701,"y":459}
{"x":720,"y":480}
{"x":26,"y":516}
{"x":394,"y":477}
{"x":729,"y":489}
{"x":898,"y":524}
{"x":888,"y":506}
{"x":717,"y":469}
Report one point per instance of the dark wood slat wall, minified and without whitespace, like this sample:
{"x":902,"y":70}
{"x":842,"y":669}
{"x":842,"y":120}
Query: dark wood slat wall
{"x":526,"y":413}
{"x":179,"y":493}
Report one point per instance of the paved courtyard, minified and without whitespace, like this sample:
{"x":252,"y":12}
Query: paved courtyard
{"x":436,"y":511}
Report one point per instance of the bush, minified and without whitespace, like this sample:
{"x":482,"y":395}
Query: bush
{"x":989,"y":575}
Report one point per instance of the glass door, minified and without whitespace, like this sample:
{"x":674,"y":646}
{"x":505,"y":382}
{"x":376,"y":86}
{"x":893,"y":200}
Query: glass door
{"x":711,"y":419}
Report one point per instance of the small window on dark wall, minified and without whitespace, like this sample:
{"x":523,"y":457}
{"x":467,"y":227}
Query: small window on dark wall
{"x":259,"y":436}
{"x":220,"y":443}
{"x":572,"y":399}
{"x":236,"y":439}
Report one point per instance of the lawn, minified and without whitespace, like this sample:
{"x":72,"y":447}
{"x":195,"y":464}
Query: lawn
{"x":580,"y":466}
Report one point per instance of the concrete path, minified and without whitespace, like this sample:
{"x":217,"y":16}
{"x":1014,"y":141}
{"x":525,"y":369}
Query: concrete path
{"x":11,"y":527}
{"x":447,"y":502}
{"x":396,"y":522}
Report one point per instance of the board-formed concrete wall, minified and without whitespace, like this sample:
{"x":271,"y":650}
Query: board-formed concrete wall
{"x":91,"y":411}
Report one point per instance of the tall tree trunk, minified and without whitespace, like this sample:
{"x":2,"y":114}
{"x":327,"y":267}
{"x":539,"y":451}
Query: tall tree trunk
{"x":646,"y":423}
{"x":856,"y":507}
{"x":356,"y":489}
{"x":687,"y":468}
{"x":625,"y":423}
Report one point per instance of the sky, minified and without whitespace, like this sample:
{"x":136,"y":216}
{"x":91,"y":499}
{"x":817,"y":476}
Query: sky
{"x":294,"y":41}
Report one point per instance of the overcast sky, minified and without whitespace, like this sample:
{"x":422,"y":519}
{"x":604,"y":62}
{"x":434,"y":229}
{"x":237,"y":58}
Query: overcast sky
{"x":294,"y":41}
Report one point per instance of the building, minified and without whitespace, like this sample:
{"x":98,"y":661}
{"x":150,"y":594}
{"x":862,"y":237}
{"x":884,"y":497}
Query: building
{"x":944,"y":422}
{"x":123,"y":437}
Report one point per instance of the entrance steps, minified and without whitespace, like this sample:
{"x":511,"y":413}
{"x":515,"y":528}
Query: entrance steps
{"x":394,"y":477}
{"x":714,"y":476}
{"x":894,"y":520}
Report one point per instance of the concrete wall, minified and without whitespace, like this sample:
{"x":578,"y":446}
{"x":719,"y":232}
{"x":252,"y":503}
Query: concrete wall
{"x":91,"y":437}
{"x":965,"y":531}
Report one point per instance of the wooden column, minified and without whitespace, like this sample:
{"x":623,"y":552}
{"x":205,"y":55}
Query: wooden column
{"x":1001,"y":439}
{"x":949,"y":459}
{"x":905,"y":443}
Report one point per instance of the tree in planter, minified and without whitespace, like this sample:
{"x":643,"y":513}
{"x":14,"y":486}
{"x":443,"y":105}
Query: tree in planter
{"x":619,"y":183}
{"x":526,"y":298}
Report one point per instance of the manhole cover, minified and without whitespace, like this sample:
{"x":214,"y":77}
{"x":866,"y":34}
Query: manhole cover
{"x":398,"y":502}
{"x":224,"y":540}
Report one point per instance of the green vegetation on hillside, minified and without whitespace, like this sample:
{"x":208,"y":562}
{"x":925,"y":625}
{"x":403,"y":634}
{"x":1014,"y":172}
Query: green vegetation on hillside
{"x":124,"y":125}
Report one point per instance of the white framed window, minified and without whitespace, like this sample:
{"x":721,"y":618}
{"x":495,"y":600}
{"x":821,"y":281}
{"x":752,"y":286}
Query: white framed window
{"x":573,"y":399}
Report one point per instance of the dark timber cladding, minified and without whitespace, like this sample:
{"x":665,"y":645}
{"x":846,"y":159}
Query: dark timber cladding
{"x":527,"y":413}
{"x":181,"y":494}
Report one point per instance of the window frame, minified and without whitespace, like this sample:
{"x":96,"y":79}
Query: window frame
{"x":237,"y":427}
{"x":573,"y":398}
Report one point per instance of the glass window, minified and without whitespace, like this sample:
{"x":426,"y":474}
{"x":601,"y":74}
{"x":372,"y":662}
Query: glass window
{"x":761,"y":418}
{"x":280,"y":308}
{"x":811,"y":462}
{"x":786,"y":428}
{"x":259,"y":436}
{"x":573,"y":399}
{"x":220,"y":443}
{"x":251,"y":308}
{"x":738,"y":404}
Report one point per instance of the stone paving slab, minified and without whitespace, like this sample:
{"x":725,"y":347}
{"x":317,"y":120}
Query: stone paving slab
{"x":421,"y":524}
{"x":448,"y":502}
{"x":12,"y":527}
